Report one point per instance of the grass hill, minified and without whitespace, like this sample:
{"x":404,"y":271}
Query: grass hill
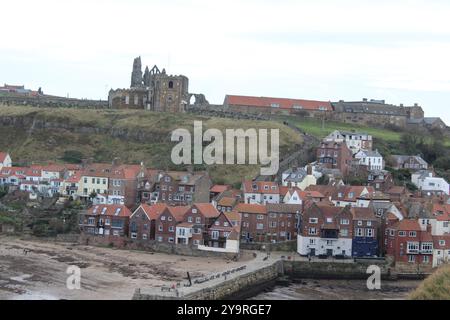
{"x":435,"y":287}
{"x":38,"y":135}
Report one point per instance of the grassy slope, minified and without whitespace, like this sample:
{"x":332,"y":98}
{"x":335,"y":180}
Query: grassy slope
{"x":44,"y":145}
{"x":436,"y":287}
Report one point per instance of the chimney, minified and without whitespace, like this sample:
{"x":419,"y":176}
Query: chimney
{"x":416,"y":104}
{"x":309,"y":170}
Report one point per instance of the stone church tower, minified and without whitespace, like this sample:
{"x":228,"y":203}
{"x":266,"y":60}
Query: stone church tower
{"x":154,"y":90}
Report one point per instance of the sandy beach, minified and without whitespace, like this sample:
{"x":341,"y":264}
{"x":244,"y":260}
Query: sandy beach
{"x":106,"y":273}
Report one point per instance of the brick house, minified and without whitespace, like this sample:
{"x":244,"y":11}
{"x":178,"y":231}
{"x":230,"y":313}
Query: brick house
{"x":105,"y":221}
{"x":283,"y":220}
{"x":254,"y":222}
{"x":224,"y":233}
{"x":196,"y":221}
{"x":409,"y":246}
{"x":414,"y":163}
{"x":366,"y":230}
{"x":398,"y":194}
{"x":380,"y":180}
{"x":167,"y":222}
{"x":183,"y":188}
{"x":143,"y":221}
{"x":335,"y":155}
{"x":348,"y":195}
{"x":326,"y":230}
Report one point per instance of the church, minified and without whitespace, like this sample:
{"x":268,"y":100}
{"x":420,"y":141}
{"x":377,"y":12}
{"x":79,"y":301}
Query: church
{"x":152,"y":90}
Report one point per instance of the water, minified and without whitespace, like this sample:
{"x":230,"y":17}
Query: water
{"x":309,"y":289}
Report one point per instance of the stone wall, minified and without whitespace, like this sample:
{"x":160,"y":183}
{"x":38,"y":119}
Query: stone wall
{"x":152,"y":246}
{"x":53,"y":102}
{"x":287,"y":246}
{"x":238,"y":288}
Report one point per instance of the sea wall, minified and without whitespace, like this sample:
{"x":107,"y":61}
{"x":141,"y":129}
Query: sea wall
{"x":240,"y":287}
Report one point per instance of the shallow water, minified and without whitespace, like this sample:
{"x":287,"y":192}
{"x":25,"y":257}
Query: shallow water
{"x":309,"y":289}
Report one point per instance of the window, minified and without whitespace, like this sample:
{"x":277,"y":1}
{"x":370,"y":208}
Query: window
{"x":413,"y":247}
{"x":313,"y":220}
{"x":170,"y":219}
{"x":144,"y":236}
{"x":360,"y":232}
{"x":369,"y":223}
{"x":426,"y":259}
{"x":312,"y":231}
{"x":445,"y":224}
{"x":360,"y":223}
{"x":272,"y":224}
{"x":245,"y":215}
{"x":91,"y":221}
{"x":427,"y":247}
{"x":160,"y":239}
{"x":259,"y":226}
{"x":369,"y":233}
{"x":312,"y":241}
{"x":402,"y":233}
{"x":133,"y":235}
{"x":225,"y":224}
{"x":411,"y":259}
{"x":329,"y":220}
{"x":217,"y":223}
{"x":215,"y":235}
{"x":190,"y":219}
{"x":171,"y":240}
{"x":442,"y":242}
{"x":163,"y":218}
{"x":160,"y":228}
{"x":344,"y":232}
{"x":198,"y":220}
{"x":412,"y":234}
{"x":170,"y":84}
{"x":260,"y":217}
{"x":196,"y":242}
{"x":345,"y":221}
{"x":171,"y":229}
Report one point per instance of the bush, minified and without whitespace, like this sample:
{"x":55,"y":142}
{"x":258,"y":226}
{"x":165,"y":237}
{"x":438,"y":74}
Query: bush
{"x":72,"y":156}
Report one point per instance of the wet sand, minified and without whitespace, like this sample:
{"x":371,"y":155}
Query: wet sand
{"x":105,"y":273}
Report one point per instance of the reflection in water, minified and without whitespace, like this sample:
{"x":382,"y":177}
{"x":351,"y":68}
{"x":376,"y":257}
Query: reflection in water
{"x":309,"y":289}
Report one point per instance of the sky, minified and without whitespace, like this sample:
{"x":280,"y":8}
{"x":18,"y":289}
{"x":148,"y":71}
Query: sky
{"x":398,"y":51}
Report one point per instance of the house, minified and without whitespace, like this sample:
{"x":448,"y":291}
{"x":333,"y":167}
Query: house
{"x":177,"y":188}
{"x":356,"y":141}
{"x":348,"y":195}
{"x":224,"y":234}
{"x":5,"y":160}
{"x":143,"y":221}
{"x":409,"y":246}
{"x":254,"y":222}
{"x":440,"y":222}
{"x":428,"y":122}
{"x":167,"y":222}
{"x":216,"y":190}
{"x":298,"y":177}
{"x":227,"y":204}
{"x":106,"y":222}
{"x":365,"y":236}
{"x":196,"y":221}
{"x":380,"y":180}
{"x":326,"y":231}
{"x":260,"y":192}
{"x":335,"y":155}
{"x":399,"y":193}
{"x":373,"y":160}
{"x":426,"y":182}
{"x":441,"y":250}
{"x":283,"y":221}
{"x":296,"y":196}
{"x":366,"y":199}
{"x":409,"y":162}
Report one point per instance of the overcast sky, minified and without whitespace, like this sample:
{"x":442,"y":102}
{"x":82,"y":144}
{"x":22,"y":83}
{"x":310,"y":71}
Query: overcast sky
{"x":326,"y":50}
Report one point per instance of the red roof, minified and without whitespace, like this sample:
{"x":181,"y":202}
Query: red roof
{"x":153,"y":211}
{"x":178,"y":212}
{"x":219,"y":188}
{"x":3,"y":156}
{"x":407,"y":225}
{"x":264,"y":187}
{"x":115,"y":210}
{"x":251,"y":208}
{"x":207,"y":210}
{"x":282,"y":103}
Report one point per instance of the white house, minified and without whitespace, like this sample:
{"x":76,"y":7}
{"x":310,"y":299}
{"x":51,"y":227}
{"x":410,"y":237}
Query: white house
{"x":301,"y":178}
{"x":441,"y":250}
{"x":356,"y":141}
{"x":5,"y":160}
{"x":372,"y":159}
{"x":261,"y":192}
{"x":426,"y":182}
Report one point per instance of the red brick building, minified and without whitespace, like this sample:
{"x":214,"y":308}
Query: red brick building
{"x":143,"y":221}
{"x":167,"y":222}
{"x":335,"y":155}
{"x":409,"y":246}
{"x":105,"y":221}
